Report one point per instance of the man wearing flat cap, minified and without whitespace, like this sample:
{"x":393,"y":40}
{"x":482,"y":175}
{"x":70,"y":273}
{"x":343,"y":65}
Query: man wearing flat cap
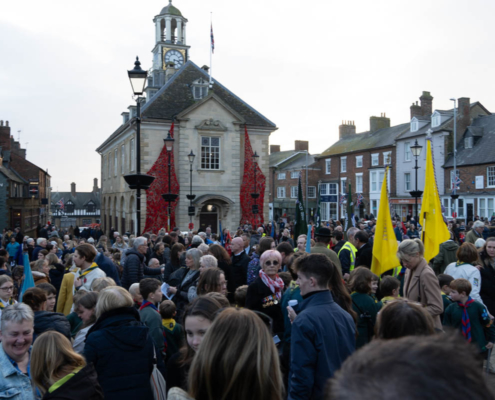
{"x":321,"y":247}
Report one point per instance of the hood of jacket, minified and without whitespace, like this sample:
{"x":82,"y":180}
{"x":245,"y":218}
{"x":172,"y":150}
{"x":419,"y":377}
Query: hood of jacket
{"x":51,"y":321}
{"x":83,"y":385}
{"x":123,"y":327}
{"x":450,"y":245}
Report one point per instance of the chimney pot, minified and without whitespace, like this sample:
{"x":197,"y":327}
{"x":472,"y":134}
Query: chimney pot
{"x":377,"y":123}
{"x":6,"y":123}
{"x":346,"y":130}
{"x":301,"y":145}
{"x":274,"y":148}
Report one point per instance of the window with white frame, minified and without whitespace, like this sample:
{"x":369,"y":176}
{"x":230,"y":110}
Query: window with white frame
{"x":407,"y":181}
{"x":482,"y":207}
{"x":294,"y":175}
{"x":324,"y":211}
{"x":133,"y":157}
{"x":122,"y":161}
{"x":374,"y":208}
{"x":414,"y":125}
{"x":376,"y":180}
{"x":374,"y":159}
{"x":343,"y":164}
{"x":460,"y":208}
{"x":343,"y":186}
{"x":323,"y":189}
{"x":359,"y":161}
{"x":281,"y":192}
{"x":407,"y":151}
{"x":210,"y":152}
{"x":281,"y":176}
{"x":328,"y":165}
{"x":387,"y":157}
{"x":446,"y":208}
{"x":293,"y":192}
{"x":116,"y":161}
{"x":359,"y":183}
{"x":436,"y":119}
{"x":468,"y":142}
{"x":490,"y":209}
{"x":490,"y":177}
{"x":312,"y":192}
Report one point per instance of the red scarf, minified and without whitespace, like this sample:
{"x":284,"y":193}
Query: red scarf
{"x":276,"y":285}
{"x":466,"y":323}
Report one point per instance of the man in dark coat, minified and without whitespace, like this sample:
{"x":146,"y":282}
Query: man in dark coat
{"x":108,"y":267}
{"x":240,"y":261}
{"x":134,"y":265}
{"x":323,"y":334}
{"x":364,"y":254}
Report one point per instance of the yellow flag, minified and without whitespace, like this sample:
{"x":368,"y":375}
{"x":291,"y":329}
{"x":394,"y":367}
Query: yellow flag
{"x":435,"y":231}
{"x":385,"y":243}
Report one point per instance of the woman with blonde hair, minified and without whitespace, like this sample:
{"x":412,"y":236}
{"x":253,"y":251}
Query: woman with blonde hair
{"x":60,"y":373}
{"x":420,"y":282}
{"x":6,"y":292}
{"x":237,"y":360}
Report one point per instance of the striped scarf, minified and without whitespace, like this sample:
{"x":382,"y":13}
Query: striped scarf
{"x":88,"y":270}
{"x":11,"y":301}
{"x":466,"y":323}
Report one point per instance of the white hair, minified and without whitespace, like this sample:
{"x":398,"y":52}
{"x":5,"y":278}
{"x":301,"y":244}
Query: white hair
{"x":202,"y":234}
{"x":153,"y":259}
{"x":208,"y":261}
{"x":40,"y":240}
{"x":479,"y":243}
{"x":18,"y":313}
{"x":139,"y":241}
{"x":134,"y":289}
{"x":478,"y":224}
{"x":197,"y":239}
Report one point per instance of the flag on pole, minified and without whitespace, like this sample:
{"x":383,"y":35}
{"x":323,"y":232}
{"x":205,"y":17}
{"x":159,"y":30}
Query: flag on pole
{"x":435,"y":231}
{"x":350,"y":214}
{"x":61,"y":203}
{"x":456,"y":181}
{"x":28,"y":277}
{"x":342,"y":198}
{"x":359,"y":199}
{"x":385,"y":244}
{"x":212,"y":40}
{"x":318,"y":213}
{"x":300,"y":228}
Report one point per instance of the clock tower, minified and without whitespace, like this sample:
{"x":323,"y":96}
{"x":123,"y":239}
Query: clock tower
{"x":170,"y":44}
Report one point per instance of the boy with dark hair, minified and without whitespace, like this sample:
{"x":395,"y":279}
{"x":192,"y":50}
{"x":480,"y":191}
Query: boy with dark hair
{"x":444,"y":283}
{"x":389,"y":288}
{"x":469,"y":316}
{"x":240,"y":296}
{"x":172,"y":331}
{"x":151,"y":292}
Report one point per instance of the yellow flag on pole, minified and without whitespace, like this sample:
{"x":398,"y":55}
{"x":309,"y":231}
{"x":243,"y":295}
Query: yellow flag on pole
{"x":385,"y":243}
{"x":435,"y":231}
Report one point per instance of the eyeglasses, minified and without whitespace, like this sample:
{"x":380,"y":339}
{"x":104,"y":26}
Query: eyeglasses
{"x":270,"y":263}
{"x":7,"y":289}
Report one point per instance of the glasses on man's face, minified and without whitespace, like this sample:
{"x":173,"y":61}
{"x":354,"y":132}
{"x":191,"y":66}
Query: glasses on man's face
{"x":270,"y":263}
{"x":7,"y":289}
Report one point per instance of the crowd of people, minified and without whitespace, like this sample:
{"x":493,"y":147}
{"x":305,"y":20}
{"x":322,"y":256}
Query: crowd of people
{"x":248,"y":314}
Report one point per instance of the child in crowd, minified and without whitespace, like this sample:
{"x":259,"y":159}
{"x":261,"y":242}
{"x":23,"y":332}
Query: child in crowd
{"x":151,"y":291}
{"x":469,"y":316}
{"x":51,"y":295}
{"x":75,"y":322}
{"x":172,"y":330}
{"x":240,"y":296}
{"x":116,"y":256}
{"x":374,"y":287}
{"x":444,"y":283}
{"x":389,"y":288}
{"x":363,"y":304}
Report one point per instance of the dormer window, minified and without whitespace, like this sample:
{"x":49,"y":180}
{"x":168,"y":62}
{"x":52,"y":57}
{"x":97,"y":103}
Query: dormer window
{"x":200,"y":89}
{"x":436,"y":119}
{"x":414,"y":125}
{"x":468,"y":142}
{"x":69,"y":207}
{"x":91,"y":207}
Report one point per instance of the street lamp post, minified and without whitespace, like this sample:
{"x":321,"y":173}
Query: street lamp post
{"x":190,"y":196}
{"x":255,"y":195}
{"x":416,"y":151}
{"x":138,"y":181}
{"x":169,"y":197}
{"x":453,"y":182}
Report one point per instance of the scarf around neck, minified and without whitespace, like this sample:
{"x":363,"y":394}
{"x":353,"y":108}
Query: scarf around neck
{"x":148,"y":304}
{"x":466,"y":323}
{"x":276,"y":285}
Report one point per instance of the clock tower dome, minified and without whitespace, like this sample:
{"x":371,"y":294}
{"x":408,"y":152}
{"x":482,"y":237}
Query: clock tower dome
{"x":170,"y":44}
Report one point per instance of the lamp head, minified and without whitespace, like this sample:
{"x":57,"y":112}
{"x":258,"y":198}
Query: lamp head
{"x":191,"y":156}
{"x":169,"y":142}
{"x":137,"y":76}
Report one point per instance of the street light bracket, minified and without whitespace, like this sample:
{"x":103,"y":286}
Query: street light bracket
{"x":170,"y":197}
{"x":141,"y":181}
{"x":191,"y":197}
{"x":416,"y":193}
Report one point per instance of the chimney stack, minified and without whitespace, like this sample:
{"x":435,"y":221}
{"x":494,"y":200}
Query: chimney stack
{"x":380,"y":122}
{"x":426,"y":104}
{"x":274,"y":148}
{"x":463,"y":116}
{"x":170,"y":70}
{"x":73,"y":189}
{"x":346,"y":129}
{"x":415,"y":110}
{"x":301,"y":145}
{"x":95,"y":185}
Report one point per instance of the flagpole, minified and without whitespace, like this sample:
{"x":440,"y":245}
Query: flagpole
{"x":211,"y":44}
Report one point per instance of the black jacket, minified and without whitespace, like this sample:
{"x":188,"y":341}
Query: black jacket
{"x":238,"y":270}
{"x":255,"y":299}
{"x":50,"y":321}
{"x":169,"y":270}
{"x":364,"y":256}
{"x":487,"y":291}
{"x":121,"y":350}
{"x":133,"y":270}
{"x":108,"y":267}
{"x":82,"y":386}
{"x":338,"y":246}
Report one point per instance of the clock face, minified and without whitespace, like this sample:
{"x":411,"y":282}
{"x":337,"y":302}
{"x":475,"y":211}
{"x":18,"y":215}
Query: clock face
{"x":176,"y":57}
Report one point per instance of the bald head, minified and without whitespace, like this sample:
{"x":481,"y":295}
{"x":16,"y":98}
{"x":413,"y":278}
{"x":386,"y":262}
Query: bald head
{"x":237,"y":245}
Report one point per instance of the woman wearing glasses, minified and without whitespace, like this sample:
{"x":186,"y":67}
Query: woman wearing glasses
{"x":6,"y":292}
{"x":265,"y":293}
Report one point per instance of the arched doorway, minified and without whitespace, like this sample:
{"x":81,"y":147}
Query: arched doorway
{"x":208,"y":217}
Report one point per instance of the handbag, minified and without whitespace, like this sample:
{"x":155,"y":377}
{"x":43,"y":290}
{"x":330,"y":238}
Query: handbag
{"x":158,"y":384}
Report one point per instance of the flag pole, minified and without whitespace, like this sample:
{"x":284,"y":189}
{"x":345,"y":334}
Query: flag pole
{"x":211,"y":44}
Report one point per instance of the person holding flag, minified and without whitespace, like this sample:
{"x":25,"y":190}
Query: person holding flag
{"x":83,"y":258}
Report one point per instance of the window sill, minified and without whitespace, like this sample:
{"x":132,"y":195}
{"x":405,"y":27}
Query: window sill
{"x":201,"y":170}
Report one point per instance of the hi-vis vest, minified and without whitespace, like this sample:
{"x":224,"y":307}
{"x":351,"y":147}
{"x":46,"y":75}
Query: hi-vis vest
{"x":352,"y":250}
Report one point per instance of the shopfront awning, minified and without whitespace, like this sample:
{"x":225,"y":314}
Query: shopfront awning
{"x":405,"y":201}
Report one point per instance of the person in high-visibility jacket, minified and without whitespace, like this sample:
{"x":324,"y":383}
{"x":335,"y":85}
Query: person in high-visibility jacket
{"x":347,"y":254}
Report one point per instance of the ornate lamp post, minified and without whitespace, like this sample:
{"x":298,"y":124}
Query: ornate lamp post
{"x":255,"y":195}
{"x":169,"y":197}
{"x":138,"y":181}
{"x":190,"y":196}
{"x":416,"y":151}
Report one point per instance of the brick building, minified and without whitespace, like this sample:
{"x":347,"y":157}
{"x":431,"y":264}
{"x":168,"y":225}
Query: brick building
{"x":285,"y":168}
{"x":24,"y":187}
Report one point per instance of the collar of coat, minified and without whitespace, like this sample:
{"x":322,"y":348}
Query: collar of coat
{"x":415,"y":275}
{"x":317,"y":298}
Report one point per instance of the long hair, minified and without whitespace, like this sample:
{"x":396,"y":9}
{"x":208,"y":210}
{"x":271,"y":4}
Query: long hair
{"x":341,"y":294}
{"x":265,"y":244}
{"x":237,"y":360}
{"x":209,"y":281}
{"x":174,"y":253}
{"x":52,"y":358}
{"x":220,"y":253}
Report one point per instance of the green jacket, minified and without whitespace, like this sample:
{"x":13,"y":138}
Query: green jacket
{"x":152,"y":319}
{"x":446,"y":255}
{"x":366,"y":310}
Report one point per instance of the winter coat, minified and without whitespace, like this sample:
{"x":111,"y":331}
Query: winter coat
{"x":50,"y":321}
{"x":488,"y":284}
{"x":133,"y":270}
{"x":169,"y":276}
{"x":108,"y":267}
{"x":472,"y":236}
{"x":366,"y":309}
{"x":153,"y":321}
{"x":40,"y":277}
{"x":421,"y":285}
{"x":57,"y":275}
{"x":36,"y":250}
{"x":321,"y":248}
{"x":364,"y":256}
{"x":66,"y":294}
{"x":467,"y":271}
{"x":82,"y":386}
{"x":121,"y":349}
{"x":446,"y":255}
{"x":238,"y":269}
{"x":181,"y":297}
{"x":253,"y":268}
{"x":259,"y":298}
{"x":323,"y":336}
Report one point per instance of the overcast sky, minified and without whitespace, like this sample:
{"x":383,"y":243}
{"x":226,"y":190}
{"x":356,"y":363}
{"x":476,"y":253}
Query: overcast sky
{"x":304,"y":65}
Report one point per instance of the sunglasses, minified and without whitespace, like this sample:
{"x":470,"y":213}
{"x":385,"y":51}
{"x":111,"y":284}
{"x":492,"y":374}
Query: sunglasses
{"x":269,"y":263}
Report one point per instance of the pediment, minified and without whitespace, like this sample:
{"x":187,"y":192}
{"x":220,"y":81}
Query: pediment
{"x":211,"y":125}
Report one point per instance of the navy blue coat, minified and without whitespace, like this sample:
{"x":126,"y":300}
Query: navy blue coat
{"x":121,"y":350}
{"x":323,"y":336}
{"x":133,"y":270}
{"x":108,"y":267}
